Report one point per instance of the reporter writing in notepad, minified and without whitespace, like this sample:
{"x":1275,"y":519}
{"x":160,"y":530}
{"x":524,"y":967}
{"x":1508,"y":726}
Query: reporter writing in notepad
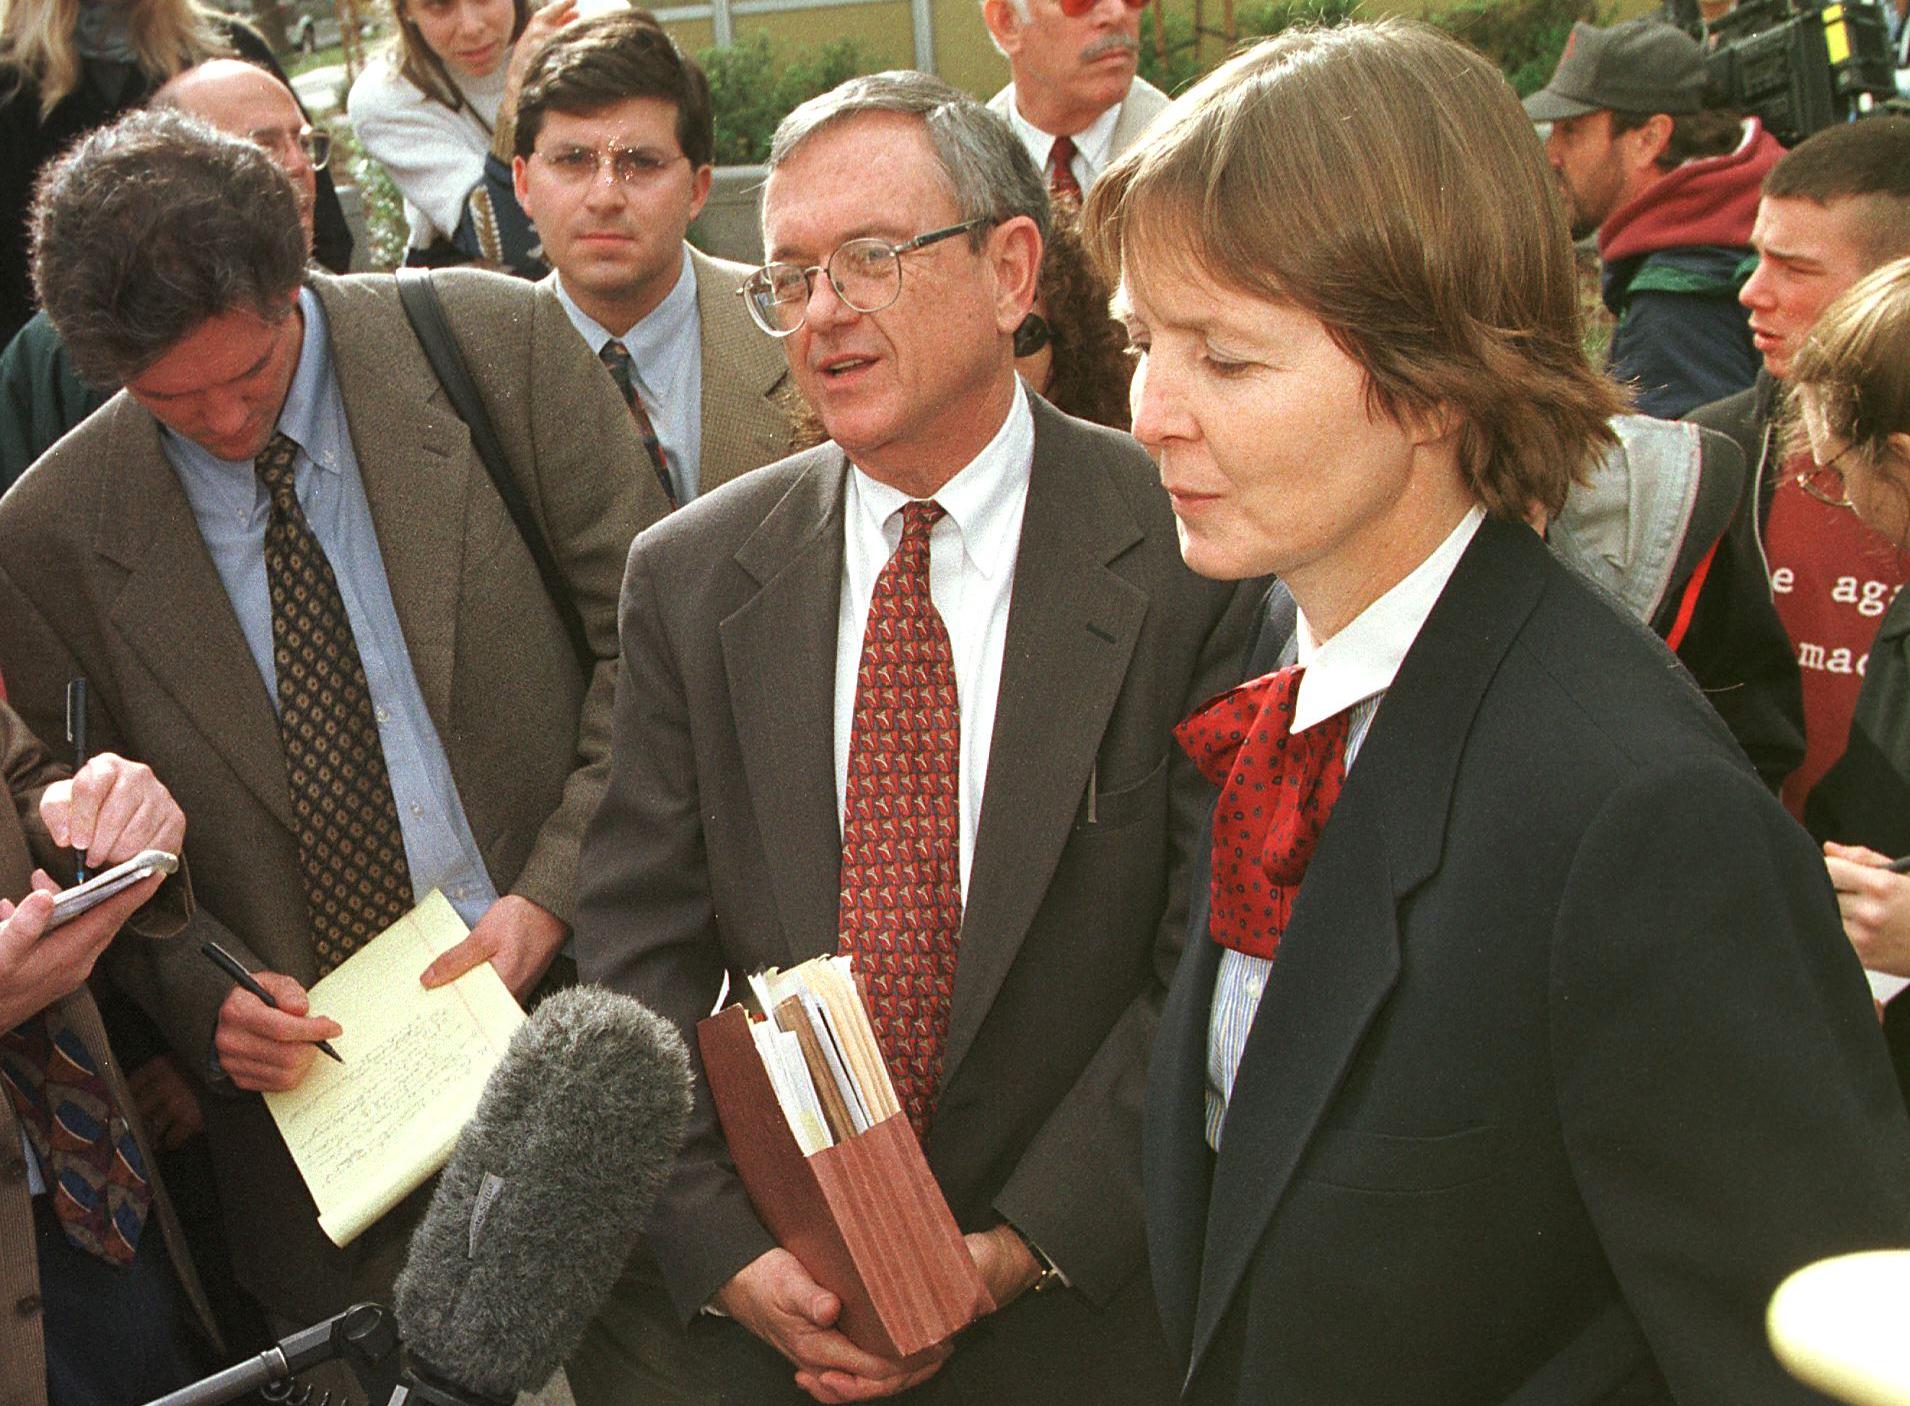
{"x":101,"y":1298}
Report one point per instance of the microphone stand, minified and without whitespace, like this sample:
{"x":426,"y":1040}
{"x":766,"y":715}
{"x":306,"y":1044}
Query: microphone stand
{"x":364,"y":1336}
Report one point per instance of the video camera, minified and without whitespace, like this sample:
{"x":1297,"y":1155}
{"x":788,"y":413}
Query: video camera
{"x":1797,"y":65}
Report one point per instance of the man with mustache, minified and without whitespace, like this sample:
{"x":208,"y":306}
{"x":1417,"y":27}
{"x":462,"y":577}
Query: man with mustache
{"x":706,"y":390}
{"x":1076,"y":101}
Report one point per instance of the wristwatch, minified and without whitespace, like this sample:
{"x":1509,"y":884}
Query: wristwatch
{"x":1050,"y":1274}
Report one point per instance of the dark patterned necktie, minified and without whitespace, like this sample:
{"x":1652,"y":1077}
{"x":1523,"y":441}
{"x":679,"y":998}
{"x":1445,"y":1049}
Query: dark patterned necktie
{"x":79,"y":1133}
{"x":351,"y":848}
{"x":616,"y":359}
{"x":1277,"y":790}
{"x":1061,"y":179}
{"x":900,"y":910}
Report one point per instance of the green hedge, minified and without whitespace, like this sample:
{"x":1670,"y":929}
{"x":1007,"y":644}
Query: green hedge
{"x":752,"y":88}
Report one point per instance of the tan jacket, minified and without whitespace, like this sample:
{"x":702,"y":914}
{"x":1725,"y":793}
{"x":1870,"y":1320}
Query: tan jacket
{"x":746,"y":389}
{"x":23,"y":843}
{"x":102,"y":571}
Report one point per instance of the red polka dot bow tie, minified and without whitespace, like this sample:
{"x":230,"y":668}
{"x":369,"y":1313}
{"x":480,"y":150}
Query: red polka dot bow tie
{"x":1277,"y":789}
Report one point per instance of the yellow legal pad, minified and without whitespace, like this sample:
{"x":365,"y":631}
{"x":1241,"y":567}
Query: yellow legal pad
{"x":368,"y":1132}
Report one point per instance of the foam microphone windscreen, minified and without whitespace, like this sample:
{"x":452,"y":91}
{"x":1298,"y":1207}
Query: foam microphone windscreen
{"x":545,"y":1193}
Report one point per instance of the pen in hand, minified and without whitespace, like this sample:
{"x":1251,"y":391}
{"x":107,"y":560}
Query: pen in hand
{"x":231,"y":966}
{"x":76,"y":734}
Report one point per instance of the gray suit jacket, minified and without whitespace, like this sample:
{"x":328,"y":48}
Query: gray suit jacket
{"x":102,"y":572}
{"x":746,"y":389}
{"x":717,"y":847}
{"x":28,"y":771}
{"x":1138,"y":108}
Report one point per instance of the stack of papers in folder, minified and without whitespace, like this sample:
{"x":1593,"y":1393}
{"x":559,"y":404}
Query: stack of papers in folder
{"x":820,"y":1052}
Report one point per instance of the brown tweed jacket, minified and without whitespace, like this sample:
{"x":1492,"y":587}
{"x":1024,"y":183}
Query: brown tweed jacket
{"x":746,"y":390}
{"x":102,"y":571}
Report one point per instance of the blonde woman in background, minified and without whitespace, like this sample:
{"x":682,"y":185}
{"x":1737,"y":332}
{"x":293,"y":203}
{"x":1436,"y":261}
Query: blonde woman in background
{"x":437,"y":111}
{"x":68,"y":66}
{"x":1851,"y":388}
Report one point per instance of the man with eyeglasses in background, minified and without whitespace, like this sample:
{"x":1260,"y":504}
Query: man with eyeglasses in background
{"x":41,"y":397}
{"x":615,"y":141}
{"x":906,"y":697}
{"x":1076,"y":100}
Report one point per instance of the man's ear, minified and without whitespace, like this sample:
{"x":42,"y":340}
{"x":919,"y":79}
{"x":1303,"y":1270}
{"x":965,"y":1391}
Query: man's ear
{"x":519,"y":184}
{"x":700,"y":189}
{"x":1014,"y":252}
{"x":1651,"y":140}
{"x":1004,"y":24}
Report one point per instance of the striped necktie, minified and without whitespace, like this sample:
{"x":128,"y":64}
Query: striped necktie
{"x":616,"y":359}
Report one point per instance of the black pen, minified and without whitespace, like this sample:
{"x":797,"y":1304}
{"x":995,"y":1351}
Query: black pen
{"x":1899,"y":866}
{"x":229,"y":964}
{"x":76,"y":734}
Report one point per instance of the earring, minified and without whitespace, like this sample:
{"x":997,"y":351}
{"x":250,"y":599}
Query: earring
{"x":1033,"y":334}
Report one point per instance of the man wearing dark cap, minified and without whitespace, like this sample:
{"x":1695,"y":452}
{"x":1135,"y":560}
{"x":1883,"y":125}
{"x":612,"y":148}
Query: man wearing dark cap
{"x":1671,"y":189}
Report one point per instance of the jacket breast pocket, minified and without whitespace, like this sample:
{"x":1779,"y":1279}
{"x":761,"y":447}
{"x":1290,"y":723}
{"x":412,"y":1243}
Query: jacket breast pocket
{"x":1110,"y":808}
{"x":1355,"y":1159}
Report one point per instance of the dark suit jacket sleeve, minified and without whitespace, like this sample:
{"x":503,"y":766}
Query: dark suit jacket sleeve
{"x":646,"y":926}
{"x":1698,"y":971}
{"x":1076,"y":1190}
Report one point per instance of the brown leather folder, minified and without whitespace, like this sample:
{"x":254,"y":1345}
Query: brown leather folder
{"x":865,"y":1217}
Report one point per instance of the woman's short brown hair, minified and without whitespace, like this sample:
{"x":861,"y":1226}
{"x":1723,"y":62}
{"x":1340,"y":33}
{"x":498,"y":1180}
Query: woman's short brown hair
{"x":1383,"y":177}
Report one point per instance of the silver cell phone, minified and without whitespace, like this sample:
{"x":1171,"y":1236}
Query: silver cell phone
{"x":68,"y":904}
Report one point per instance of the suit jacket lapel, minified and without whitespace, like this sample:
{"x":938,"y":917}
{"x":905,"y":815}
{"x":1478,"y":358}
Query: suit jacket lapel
{"x":1340,"y":955}
{"x":1177,"y":1173}
{"x":414,"y":458}
{"x":779,"y":651}
{"x":173,"y":611}
{"x":1072,"y":625}
{"x":744,"y":426}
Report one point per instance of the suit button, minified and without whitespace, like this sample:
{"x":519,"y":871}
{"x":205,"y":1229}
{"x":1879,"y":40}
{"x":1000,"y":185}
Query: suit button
{"x":28,"y":1306}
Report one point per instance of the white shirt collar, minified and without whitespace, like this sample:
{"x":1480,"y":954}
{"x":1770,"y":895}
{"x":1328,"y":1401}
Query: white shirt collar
{"x":1092,"y":142}
{"x":1362,"y":659}
{"x":655,"y":332}
{"x":983,"y":499}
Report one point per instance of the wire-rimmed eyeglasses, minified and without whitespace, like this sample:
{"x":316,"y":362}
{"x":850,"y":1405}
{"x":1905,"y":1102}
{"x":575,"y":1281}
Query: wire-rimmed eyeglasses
{"x":314,"y":142}
{"x":632,"y":166}
{"x":866,"y":274}
{"x":1825,"y":481}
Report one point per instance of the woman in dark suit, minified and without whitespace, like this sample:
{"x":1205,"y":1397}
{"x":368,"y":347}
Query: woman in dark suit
{"x":1516,"y":1054}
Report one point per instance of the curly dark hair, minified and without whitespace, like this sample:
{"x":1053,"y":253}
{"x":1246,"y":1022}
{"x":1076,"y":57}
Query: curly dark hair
{"x":1091,"y":363}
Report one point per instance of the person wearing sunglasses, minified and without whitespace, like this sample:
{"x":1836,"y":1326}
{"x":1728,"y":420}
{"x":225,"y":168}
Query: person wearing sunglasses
{"x":1076,"y":101}
{"x":1850,"y":391}
{"x":41,"y":397}
{"x":905,"y":698}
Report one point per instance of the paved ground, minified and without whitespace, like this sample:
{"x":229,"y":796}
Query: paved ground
{"x":322,"y":90}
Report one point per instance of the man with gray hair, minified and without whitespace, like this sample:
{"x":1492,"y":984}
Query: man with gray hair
{"x":919,"y":681}
{"x":298,"y":596}
{"x":1076,"y":101}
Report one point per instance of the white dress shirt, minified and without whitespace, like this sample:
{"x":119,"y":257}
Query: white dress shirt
{"x":971,"y":580}
{"x":1091,"y":145}
{"x":666,"y":366}
{"x":1351,"y":671}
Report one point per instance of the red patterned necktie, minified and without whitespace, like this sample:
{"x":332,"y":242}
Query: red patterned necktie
{"x":351,"y":845}
{"x":1277,"y":790}
{"x":901,"y":902}
{"x":1061,"y":179}
{"x":79,"y":1133}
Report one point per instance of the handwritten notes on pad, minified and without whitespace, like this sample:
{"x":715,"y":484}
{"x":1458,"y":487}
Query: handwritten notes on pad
{"x":368,"y":1132}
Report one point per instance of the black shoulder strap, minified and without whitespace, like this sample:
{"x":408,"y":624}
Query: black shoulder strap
{"x":426,"y":311}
